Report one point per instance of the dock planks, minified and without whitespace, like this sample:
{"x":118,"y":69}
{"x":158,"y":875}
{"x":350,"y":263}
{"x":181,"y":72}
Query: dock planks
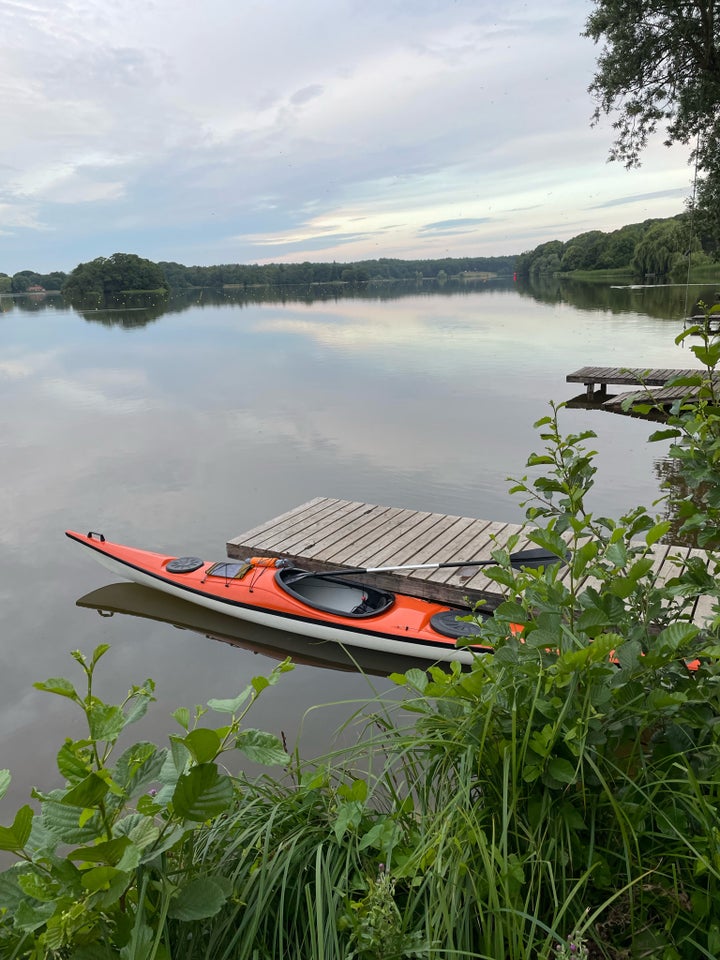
{"x":598,"y":379}
{"x":332,"y":534}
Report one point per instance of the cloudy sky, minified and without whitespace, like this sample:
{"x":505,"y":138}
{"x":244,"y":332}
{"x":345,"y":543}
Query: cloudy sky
{"x":244,"y":131}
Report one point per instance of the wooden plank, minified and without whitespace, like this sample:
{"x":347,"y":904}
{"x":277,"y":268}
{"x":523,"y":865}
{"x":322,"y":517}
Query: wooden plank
{"x":302,"y":533}
{"x":387,"y":545}
{"x":352,"y":540}
{"x":318,"y":540}
{"x":327,"y":533}
{"x":261,"y":530}
{"x":628,"y":375}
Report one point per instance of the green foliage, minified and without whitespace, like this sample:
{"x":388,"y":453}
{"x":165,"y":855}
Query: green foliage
{"x":570,"y":781}
{"x":660,"y":66}
{"x":654,"y":247}
{"x":693,"y":427}
{"x":286,"y":274}
{"x":120,"y":273}
{"x":663,"y":249}
{"x":108,"y":861}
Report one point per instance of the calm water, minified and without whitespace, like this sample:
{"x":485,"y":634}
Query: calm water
{"x":180,"y":430}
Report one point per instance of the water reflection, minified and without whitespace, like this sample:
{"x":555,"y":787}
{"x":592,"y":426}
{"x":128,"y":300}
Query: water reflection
{"x":662,"y":301}
{"x":134,"y":600}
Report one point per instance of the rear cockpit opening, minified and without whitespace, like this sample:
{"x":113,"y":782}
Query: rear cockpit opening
{"x":334,"y":595}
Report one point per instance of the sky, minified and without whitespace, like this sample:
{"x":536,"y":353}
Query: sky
{"x":257,"y":131}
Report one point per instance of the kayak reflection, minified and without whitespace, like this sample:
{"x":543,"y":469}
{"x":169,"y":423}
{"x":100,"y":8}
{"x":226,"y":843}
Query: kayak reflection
{"x":135,"y":600}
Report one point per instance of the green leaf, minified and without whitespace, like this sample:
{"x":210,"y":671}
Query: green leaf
{"x":103,"y":878}
{"x":202,"y":793}
{"x":551,"y":541}
{"x":15,"y":837}
{"x":73,"y":761}
{"x":347,"y":818}
{"x":511,"y":612}
{"x":617,"y":552}
{"x":38,"y":886}
{"x":261,"y":747}
{"x":357,"y":790}
{"x":380,"y":836}
{"x":670,"y":432}
{"x":583,"y":556}
{"x":203,"y":744}
{"x":230,"y":706}
{"x":30,"y":915}
{"x":622,"y":587}
{"x":106,"y":722}
{"x":58,"y":685}
{"x":142,"y":697}
{"x":88,"y":793}
{"x":657,"y":532}
{"x":139,"y":766}
{"x":259,"y":684}
{"x":98,"y":652}
{"x":199,"y":899}
{"x":5,"y":778}
{"x":141,"y":830}
{"x":63,"y":822}
{"x":676,"y":635}
{"x":561,"y":770}
{"x":109,"y":852}
{"x":182,"y":715}
{"x":417,"y":679}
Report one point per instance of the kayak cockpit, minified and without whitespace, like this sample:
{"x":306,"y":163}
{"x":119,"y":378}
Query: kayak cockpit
{"x":333,"y":595}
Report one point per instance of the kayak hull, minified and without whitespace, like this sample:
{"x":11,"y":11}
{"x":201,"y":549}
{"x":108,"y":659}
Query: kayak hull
{"x":261,"y":596}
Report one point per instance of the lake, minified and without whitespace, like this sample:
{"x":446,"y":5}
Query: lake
{"x":178,"y":427}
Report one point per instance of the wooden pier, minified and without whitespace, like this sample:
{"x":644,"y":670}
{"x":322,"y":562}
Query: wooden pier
{"x":329,"y":534}
{"x":597,"y":380}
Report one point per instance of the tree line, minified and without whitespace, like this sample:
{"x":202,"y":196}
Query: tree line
{"x":125,"y":272}
{"x":656,"y":249}
{"x":651,"y":250}
{"x":281,"y":274}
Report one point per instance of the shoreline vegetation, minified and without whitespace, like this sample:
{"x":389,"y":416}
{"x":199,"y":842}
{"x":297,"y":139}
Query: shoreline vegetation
{"x":560,"y":798}
{"x":654,"y":251}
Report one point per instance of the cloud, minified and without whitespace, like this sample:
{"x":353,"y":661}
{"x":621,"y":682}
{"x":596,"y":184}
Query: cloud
{"x":454,"y":227}
{"x":643,"y":197}
{"x":215,"y":136}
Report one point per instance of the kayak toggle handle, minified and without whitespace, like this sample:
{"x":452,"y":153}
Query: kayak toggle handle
{"x":91,"y":535}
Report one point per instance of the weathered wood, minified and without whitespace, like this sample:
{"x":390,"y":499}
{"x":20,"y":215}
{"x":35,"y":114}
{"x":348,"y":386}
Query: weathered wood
{"x":629,"y":375}
{"x":647,"y":378}
{"x":331,"y":534}
{"x":326,"y":534}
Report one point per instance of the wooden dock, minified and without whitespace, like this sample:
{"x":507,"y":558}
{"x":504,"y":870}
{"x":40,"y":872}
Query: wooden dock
{"x":330,"y":534}
{"x":597,"y":379}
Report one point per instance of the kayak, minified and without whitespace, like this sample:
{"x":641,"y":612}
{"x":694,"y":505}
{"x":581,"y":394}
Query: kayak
{"x":273,"y":593}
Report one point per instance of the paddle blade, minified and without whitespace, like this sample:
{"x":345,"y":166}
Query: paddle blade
{"x":535,"y":559}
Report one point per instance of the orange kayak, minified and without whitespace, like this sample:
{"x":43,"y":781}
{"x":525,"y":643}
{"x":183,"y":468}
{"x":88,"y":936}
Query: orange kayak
{"x":273,"y":593}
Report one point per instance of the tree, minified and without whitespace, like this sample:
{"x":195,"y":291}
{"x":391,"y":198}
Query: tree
{"x":24,"y":279}
{"x":120,"y":273}
{"x":664,"y":248}
{"x":660,"y":66}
